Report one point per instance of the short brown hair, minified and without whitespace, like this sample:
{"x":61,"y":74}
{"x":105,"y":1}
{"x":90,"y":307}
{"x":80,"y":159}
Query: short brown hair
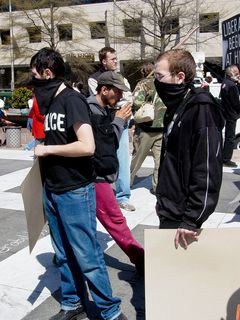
{"x":146,"y":69}
{"x":103,"y":53}
{"x":180,"y":60}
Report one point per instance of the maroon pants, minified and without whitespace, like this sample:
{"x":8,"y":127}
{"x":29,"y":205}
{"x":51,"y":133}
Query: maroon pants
{"x":111,"y":217}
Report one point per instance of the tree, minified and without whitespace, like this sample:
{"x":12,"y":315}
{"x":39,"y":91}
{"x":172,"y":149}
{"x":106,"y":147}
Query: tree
{"x":159,"y":24}
{"x":80,"y":70}
{"x":40,"y":23}
{"x":45,"y":19}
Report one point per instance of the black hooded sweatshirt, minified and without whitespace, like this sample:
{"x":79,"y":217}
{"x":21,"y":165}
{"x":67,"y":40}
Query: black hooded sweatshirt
{"x":190,"y":173}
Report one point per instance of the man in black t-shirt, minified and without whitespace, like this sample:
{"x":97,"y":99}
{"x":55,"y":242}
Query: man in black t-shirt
{"x":69,"y":195}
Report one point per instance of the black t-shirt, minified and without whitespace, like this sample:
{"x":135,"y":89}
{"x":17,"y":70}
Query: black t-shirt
{"x":66,"y":173}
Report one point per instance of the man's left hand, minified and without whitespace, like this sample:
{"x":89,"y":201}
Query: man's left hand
{"x":184,"y":237}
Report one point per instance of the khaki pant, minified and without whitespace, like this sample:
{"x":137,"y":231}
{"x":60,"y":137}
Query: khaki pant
{"x":143,"y":142}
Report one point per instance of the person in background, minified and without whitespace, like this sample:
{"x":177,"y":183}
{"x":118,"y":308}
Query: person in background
{"x":147,"y":135}
{"x":1,"y":104}
{"x":69,"y":193}
{"x":78,"y":86}
{"x":231,"y":106}
{"x":37,"y":123}
{"x":109,"y":91}
{"x":30,"y":145}
{"x":190,"y":173}
{"x":108,"y":60}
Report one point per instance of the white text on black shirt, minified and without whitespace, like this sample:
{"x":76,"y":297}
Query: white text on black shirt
{"x":54,"y":121}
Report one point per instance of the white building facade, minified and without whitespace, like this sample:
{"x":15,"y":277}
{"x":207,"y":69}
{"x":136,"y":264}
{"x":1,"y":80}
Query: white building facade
{"x":137,"y":29}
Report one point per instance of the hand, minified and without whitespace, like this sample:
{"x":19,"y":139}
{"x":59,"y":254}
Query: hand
{"x":41,"y":150}
{"x":125,"y":112}
{"x":185,"y":237}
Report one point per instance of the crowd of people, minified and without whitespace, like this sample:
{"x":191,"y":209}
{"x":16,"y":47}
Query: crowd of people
{"x":185,"y":137}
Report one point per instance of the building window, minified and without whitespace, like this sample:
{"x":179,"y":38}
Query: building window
{"x":65,"y":32}
{"x":34,"y":34}
{"x":132,"y":27}
{"x":171,"y":25}
{"x":209,"y":22}
{"x":5,"y":37}
{"x":98,"y":29}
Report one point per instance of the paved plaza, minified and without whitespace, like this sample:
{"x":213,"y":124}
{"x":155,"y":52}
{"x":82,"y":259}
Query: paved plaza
{"x":29,"y":284}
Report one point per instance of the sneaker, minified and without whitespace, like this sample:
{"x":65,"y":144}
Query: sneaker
{"x":230,"y":164}
{"x":121,"y":317}
{"x":127,"y":206}
{"x":70,"y":314}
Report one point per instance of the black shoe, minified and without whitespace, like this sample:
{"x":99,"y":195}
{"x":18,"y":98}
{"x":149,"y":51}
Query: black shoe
{"x":70,"y":314}
{"x":230,"y":164}
{"x":121,"y":317}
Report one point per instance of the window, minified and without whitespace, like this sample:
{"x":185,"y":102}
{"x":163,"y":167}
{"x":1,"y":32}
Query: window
{"x":5,"y":37}
{"x":209,"y":22}
{"x":98,"y":29}
{"x":132,"y":27}
{"x":65,"y":32}
{"x":172,"y":25}
{"x":34,"y":34}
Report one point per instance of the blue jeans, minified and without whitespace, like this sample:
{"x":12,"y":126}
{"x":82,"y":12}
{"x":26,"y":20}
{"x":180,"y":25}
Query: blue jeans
{"x":30,"y":145}
{"x":72,"y":221}
{"x":123,"y":182}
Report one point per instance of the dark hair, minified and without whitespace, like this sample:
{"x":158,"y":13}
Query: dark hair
{"x":47,"y":58}
{"x":79,"y":85}
{"x":99,"y":87}
{"x":180,"y":60}
{"x":208,"y":79}
{"x":103,"y":53}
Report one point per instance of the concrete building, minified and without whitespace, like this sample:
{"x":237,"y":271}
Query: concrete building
{"x":136,"y":29}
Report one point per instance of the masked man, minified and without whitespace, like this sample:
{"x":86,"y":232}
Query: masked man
{"x":190,"y":173}
{"x":69,"y":193}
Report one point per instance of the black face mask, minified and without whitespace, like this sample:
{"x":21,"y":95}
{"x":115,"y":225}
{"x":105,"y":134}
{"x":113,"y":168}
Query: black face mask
{"x":172,"y":94}
{"x":45,"y":91}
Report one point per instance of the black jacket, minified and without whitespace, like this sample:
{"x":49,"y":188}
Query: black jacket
{"x":190,"y":173}
{"x":116,"y":123}
{"x":230,"y":99}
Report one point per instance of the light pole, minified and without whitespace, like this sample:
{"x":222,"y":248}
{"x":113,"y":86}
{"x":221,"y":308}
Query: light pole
{"x":11,"y":45}
{"x":197,"y":23}
{"x":114,"y":24}
{"x":2,"y":72}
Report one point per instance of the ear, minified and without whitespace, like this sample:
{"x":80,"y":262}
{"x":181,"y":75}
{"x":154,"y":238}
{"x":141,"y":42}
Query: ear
{"x":104,"y":62}
{"x":104,"y":90}
{"x":48,"y":74}
{"x":180,"y":77}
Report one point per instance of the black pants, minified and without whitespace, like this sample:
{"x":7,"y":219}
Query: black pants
{"x":229,"y":141}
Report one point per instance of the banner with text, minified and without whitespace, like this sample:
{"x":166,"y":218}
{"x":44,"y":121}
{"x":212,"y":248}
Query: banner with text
{"x":231,"y":41}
